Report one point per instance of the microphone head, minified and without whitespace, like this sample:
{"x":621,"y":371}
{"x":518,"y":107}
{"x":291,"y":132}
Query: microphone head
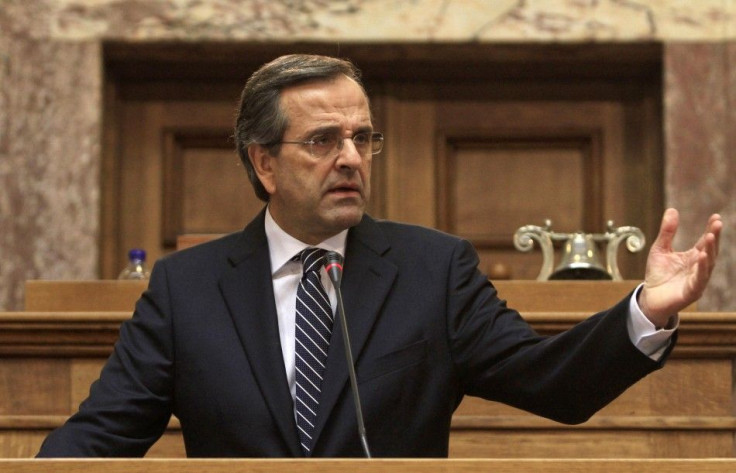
{"x":333,"y":265}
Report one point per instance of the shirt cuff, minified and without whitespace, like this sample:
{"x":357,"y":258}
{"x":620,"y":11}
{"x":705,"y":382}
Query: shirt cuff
{"x":644,"y":335}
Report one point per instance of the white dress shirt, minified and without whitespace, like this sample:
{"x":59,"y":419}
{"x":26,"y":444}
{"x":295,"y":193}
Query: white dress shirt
{"x":286,"y":274}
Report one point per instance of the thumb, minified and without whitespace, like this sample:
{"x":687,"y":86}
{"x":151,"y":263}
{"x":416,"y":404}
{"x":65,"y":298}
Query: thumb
{"x":667,"y":230}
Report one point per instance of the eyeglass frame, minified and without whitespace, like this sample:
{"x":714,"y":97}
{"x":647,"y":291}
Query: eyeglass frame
{"x":375,"y":137}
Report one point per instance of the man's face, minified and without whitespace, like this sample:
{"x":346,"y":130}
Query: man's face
{"x":315,"y":198}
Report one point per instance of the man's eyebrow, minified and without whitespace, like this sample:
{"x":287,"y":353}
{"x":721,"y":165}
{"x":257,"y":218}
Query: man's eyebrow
{"x":336,"y":129}
{"x":323,"y":130}
{"x":363,"y":129}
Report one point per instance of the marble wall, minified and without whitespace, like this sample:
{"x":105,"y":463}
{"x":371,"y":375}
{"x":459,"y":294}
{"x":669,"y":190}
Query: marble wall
{"x":51,"y":100}
{"x":700,"y":150}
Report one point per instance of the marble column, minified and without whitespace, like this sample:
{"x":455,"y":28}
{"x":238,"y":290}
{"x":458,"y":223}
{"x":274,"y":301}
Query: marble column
{"x":50,"y":110}
{"x":700,"y":153}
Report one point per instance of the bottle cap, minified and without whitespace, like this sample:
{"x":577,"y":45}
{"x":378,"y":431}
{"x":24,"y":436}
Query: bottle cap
{"x":137,"y":254}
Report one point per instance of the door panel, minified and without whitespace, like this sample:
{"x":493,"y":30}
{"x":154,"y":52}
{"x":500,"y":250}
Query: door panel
{"x":178,"y":174}
{"x":499,"y":165}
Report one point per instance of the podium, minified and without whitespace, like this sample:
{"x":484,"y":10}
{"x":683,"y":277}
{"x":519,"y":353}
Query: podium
{"x":369,"y":466}
{"x":51,"y":352}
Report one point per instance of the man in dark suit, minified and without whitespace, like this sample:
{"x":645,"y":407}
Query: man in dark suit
{"x":218,"y":338}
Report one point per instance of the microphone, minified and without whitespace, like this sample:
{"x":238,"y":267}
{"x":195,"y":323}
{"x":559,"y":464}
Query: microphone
{"x":333,"y":265}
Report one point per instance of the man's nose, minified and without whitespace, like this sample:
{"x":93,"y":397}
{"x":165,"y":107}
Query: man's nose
{"x":349,"y":155}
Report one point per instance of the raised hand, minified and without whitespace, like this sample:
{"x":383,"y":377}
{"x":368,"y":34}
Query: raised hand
{"x":673,"y":279}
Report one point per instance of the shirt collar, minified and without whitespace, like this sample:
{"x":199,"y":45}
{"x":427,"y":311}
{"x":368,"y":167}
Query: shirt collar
{"x":282,"y":247}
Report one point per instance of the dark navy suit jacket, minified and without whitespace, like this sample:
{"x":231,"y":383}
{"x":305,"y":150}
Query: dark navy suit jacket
{"x":426,"y":327}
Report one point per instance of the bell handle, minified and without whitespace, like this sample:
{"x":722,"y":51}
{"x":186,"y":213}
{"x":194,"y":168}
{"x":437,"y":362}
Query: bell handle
{"x":635,"y":241}
{"x":524,"y":239}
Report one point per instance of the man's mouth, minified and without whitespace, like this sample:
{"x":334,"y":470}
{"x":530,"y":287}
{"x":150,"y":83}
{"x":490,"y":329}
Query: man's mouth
{"x":345,"y":189}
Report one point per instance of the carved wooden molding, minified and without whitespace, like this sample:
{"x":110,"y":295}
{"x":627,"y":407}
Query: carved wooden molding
{"x":472,"y":422}
{"x":59,"y":334}
{"x":84,"y":334}
{"x":648,"y":423}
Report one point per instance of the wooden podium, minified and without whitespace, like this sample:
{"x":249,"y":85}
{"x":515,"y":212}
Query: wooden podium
{"x":51,"y":352}
{"x":370,"y":466}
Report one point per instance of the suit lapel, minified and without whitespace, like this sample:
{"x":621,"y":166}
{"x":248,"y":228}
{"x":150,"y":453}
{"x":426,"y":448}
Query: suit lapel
{"x":248,"y":292}
{"x":367,"y":279}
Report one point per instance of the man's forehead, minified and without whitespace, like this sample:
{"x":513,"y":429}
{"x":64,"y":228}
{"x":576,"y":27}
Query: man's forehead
{"x":318,"y":87}
{"x":338,"y":97}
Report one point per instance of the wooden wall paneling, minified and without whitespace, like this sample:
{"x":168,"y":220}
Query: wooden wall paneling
{"x":187,"y":240}
{"x":552,"y":443}
{"x":557,"y":443}
{"x":489,"y":179}
{"x":599,"y":128}
{"x":205,"y":188}
{"x":642,"y":160}
{"x":23,"y":444}
{"x":411,"y":155}
{"x":693,"y":444}
{"x":82,"y":373}
{"x":170,"y":445}
{"x":380,"y":164}
{"x":34,"y":386}
{"x":610,"y":119}
{"x":139,"y":208}
{"x":215,"y":179}
{"x":678,"y":390}
{"x":186,"y":142}
{"x":110,"y":171}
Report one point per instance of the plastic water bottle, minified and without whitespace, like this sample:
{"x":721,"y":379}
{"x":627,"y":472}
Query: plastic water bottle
{"x":136,"y":268}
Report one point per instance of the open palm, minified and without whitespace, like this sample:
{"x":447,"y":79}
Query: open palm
{"x":674,"y":280}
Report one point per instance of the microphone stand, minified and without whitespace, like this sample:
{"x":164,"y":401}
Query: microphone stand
{"x":334,"y":270}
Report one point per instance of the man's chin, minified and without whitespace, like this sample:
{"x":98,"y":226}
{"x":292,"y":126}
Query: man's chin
{"x":346,"y":218}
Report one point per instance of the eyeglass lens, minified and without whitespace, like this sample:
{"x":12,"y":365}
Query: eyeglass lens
{"x":327,"y":144}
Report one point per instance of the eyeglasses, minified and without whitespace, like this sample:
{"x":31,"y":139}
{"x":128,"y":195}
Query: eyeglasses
{"x":326,"y":145}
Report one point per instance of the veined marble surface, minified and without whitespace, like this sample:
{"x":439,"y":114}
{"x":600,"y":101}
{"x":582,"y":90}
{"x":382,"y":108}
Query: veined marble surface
{"x":382,"y":20}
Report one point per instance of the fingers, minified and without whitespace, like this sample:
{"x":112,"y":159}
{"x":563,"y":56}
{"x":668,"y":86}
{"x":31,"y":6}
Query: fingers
{"x":707,"y":251}
{"x":708,"y":241}
{"x":715,"y":225}
{"x":667,"y":230}
{"x":712,"y":237}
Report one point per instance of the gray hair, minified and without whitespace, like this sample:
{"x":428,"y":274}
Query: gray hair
{"x":260,"y":117}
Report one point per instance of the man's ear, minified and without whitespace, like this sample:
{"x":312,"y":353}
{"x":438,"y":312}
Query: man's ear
{"x":262,"y":164}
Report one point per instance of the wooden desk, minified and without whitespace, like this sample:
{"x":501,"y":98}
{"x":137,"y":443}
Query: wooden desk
{"x":525,"y":296}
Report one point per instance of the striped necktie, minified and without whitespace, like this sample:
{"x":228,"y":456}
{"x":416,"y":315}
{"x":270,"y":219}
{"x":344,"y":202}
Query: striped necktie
{"x":313,"y":328}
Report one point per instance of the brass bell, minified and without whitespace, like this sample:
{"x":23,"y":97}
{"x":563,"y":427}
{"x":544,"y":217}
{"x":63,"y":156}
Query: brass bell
{"x":580,"y":260}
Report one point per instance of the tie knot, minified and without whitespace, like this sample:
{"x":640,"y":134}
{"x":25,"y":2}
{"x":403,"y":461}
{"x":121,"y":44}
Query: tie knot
{"x":312,"y":259}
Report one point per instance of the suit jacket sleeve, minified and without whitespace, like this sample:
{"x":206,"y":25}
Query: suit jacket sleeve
{"x":130,"y":404}
{"x":567,"y":377}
